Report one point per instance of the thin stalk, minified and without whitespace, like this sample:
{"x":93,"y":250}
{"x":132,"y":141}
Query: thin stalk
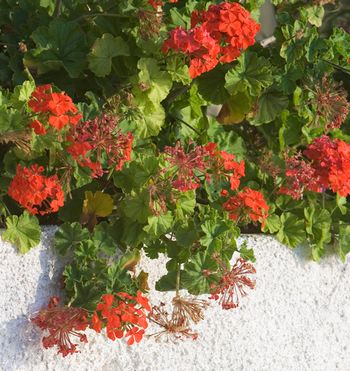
{"x":178,"y":280}
{"x":188,"y":125}
{"x":58,"y":8}
{"x":102,"y":15}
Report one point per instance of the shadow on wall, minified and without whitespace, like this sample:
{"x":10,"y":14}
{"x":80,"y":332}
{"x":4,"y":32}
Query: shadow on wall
{"x":20,"y":337}
{"x":267,"y":21}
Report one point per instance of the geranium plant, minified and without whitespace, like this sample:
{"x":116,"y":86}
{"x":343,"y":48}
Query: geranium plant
{"x":107,"y":130}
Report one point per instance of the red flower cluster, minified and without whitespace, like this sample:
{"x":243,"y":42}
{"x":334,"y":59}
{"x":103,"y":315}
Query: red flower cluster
{"x":156,"y":3}
{"x":188,"y":166}
{"x":98,"y":140}
{"x":56,"y":108}
{"x":232,"y":284}
{"x":248,"y":203}
{"x":62,"y":323}
{"x":330,"y":158}
{"x":300,"y":176}
{"x":37,"y":193}
{"x":224,"y":163}
{"x":122,"y":314}
{"x":205,"y":162}
{"x":218,"y":34}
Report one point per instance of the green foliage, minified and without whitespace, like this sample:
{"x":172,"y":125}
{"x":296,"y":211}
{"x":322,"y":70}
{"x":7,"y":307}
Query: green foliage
{"x":252,"y":74}
{"x":23,"y":231}
{"x":68,"y":236}
{"x":60,"y":45}
{"x":102,"y":52}
{"x":107,"y":56}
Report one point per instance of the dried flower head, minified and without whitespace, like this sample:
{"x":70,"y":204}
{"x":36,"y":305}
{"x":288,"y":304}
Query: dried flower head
{"x":331,"y":103}
{"x":172,"y":329}
{"x":150,"y":23}
{"x":62,"y":323}
{"x":233,"y":283}
{"x":100,"y":140}
{"x":300,"y":176}
{"x":188,"y":309}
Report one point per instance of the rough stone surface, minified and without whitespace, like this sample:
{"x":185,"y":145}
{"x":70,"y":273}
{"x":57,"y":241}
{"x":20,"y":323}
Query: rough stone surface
{"x":297,"y":318}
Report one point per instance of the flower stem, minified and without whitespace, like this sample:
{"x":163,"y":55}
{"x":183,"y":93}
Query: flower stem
{"x":178,"y":280}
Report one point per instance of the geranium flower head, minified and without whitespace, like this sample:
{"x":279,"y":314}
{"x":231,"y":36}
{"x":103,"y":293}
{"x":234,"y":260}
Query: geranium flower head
{"x":35,"y":192}
{"x":62,"y":323}
{"x":233,"y":283}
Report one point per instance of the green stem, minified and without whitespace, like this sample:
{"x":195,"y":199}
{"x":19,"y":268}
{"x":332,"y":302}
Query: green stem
{"x":102,"y":15}
{"x":178,"y":280}
{"x":186,"y":124}
{"x":58,"y":8}
{"x":176,"y":93}
{"x":323,"y":200}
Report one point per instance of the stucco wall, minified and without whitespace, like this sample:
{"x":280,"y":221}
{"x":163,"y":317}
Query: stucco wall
{"x":297,"y":318}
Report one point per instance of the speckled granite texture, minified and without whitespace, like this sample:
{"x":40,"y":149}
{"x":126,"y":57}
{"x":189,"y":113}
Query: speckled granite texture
{"x":297,"y":318}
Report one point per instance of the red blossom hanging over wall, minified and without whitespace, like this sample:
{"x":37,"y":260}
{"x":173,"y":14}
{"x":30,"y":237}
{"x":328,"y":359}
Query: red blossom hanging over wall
{"x":218,"y":34}
{"x":35,"y":192}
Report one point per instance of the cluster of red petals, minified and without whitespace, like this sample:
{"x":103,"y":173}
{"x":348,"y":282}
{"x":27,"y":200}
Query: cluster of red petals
{"x":330,"y":158}
{"x":57,"y":109}
{"x":224,"y":163}
{"x":35,"y":192}
{"x":62,"y":323}
{"x":218,"y":34}
{"x":248,"y":203}
{"x":156,"y":3}
{"x":233,"y":284}
{"x":188,"y":166}
{"x":202,"y":161}
{"x":94,"y":141}
{"x":123,"y":315}
{"x":300,"y":176}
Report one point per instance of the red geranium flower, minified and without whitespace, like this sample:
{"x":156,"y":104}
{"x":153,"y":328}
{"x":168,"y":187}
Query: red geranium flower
{"x":35,"y":192}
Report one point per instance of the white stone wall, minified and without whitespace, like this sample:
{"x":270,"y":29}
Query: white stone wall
{"x":297,"y":318}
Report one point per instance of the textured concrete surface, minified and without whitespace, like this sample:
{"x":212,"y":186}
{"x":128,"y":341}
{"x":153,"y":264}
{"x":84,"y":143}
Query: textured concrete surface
{"x":297,"y":318}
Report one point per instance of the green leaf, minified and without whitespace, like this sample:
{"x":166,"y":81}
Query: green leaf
{"x":290,"y":131}
{"x":253,"y":74}
{"x":61,"y":44}
{"x":292,"y":231}
{"x":227,"y":139}
{"x":314,"y":14}
{"x":98,"y":203}
{"x":69,"y":235}
{"x":211,"y":87}
{"x":272,"y":224}
{"x":199,"y":274}
{"x":341,"y":202}
{"x":213,"y":229}
{"x":235,"y":109}
{"x":168,"y":282}
{"x":151,"y":120}
{"x":130,"y":259}
{"x":318,"y":224}
{"x":103,"y":50}
{"x":136,"y":206}
{"x":270,"y":105}
{"x":106,"y":237}
{"x":185,"y":204}
{"x":246,"y":253}
{"x":158,"y":225}
{"x":178,"y":70}
{"x":344,"y":241}
{"x":156,"y":83}
{"x":23,"y":231}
